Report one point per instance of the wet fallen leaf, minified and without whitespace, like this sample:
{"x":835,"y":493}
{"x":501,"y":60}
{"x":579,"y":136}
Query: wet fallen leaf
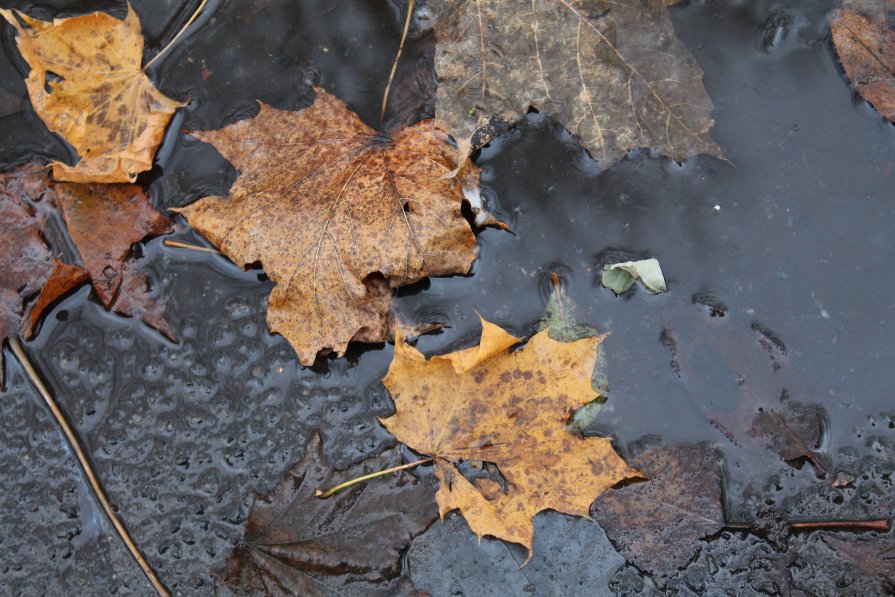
{"x":658,"y":524}
{"x":352,"y":543}
{"x":63,"y":279}
{"x":619,"y":277}
{"x":330,"y":207}
{"x":510,"y":409}
{"x":793,"y":432}
{"x":874,"y":557}
{"x":25,"y":260}
{"x":612,"y":72}
{"x":104,"y":222}
{"x":739,"y":376}
{"x":559,"y":321}
{"x":571,"y":557}
{"x":86,"y":84}
{"x":865,"y":42}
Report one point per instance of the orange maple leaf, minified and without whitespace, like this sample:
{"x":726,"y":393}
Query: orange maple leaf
{"x":338,"y":215}
{"x":510,"y":408}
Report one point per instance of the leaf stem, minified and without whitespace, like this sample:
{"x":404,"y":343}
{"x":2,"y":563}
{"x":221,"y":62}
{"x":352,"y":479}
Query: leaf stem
{"x":391,"y":75}
{"x":176,"y":37}
{"x":75,"y":444}
{"x":325,"y":494}
{"x":180,"y":245}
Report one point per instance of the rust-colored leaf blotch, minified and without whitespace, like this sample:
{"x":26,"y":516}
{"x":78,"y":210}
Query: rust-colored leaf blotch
{"x":510,"y":408}
{"x":330,"y":208}
{"x":86,"y":84}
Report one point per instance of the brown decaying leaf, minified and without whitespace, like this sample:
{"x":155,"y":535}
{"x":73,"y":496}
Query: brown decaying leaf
{"x":86,"y":84}
{"x":757,"y":402}
{"x":349,"y":544}
{"x":327,"y":205}
{"x":658,"y":525}
{"x":874,"y":557}
{"x":793,"y":432}
{"x":509,"y":408}
{"x":63,"y":279}
{"x":611,"y":71}
{"x":104,"y":222}
{"x":866,"y":48}
{"x":25,"y":259}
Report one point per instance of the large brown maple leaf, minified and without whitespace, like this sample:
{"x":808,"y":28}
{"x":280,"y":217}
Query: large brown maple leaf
{"x":510,"y":408}
{"x":330,"y":207}
{"x":86,"y":84}
{"x":611,"y":71}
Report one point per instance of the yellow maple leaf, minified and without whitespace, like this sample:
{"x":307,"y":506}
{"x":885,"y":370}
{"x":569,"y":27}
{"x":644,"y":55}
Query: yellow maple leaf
{"x":86,"y":84}
{"x":510,"y":408}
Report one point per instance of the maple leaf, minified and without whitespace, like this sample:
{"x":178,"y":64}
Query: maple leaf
{"x":865,"y":43}
{"x":510,"y":408}
{"x":25,"y":259}
{"x":295,"y":544}
{"x":612,"y":72}
{"x":86,"y":84}
{"x":770,"y":407}
{"x":328,"y":205}
{"x":104,"y":222}
{"x":678,"y":506}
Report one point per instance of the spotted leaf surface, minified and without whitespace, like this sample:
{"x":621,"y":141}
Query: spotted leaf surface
{"x":338,"y":215}
{"x":510,"y":408}
{"x":87,"y":85}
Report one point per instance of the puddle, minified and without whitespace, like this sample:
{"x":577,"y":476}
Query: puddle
{"x":792,"y":236}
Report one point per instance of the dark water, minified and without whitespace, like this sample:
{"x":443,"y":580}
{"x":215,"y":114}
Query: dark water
{"x":794,"y":236}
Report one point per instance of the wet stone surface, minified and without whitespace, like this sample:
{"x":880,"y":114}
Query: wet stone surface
{"x":792,"y":236}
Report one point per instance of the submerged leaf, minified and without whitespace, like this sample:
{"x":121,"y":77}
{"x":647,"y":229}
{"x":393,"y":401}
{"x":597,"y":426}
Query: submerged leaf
{"x":330,"y":207}
{"x":509,"y":408}
{"x":571,"y":557}
{"x":86,"y":84}
{"x":611,"y":71}
{"x":352,"y":543}
{"x":865,"y":42}
{"x":657,"y":525}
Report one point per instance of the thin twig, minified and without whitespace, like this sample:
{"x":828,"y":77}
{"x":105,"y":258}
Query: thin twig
{"x":882,"y":524}
{"x":75,"y":444}
{"x":176,"y":37}
{"x":180,"y":245}
{"x":391,"y":75}
{"x":325,"y":494}
{"x":879,"y":524}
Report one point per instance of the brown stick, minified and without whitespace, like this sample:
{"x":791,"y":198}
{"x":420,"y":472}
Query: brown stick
{"x":180,"y":245}
{"x":391,"y":75}
{"x":879,"y":524}
{"x":75,"y":445}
